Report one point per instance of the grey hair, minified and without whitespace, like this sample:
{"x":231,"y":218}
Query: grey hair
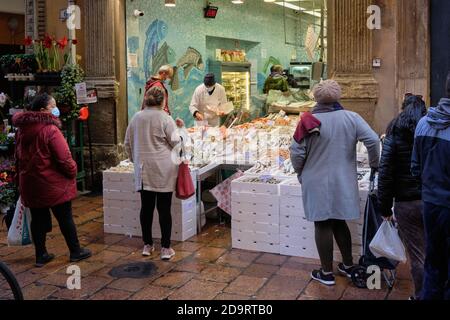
{"x":154,"y":97}
{"x":166,"y":69}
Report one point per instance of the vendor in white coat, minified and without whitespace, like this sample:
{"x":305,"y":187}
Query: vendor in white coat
{"x":208,"y":97}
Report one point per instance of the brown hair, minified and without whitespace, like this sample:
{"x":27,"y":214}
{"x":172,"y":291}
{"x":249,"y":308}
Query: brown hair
{"x":154,"y":97}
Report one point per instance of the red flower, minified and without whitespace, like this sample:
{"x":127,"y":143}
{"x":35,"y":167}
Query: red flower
{"x":74,"y":41}
{"x":28,"y":41}
{"x":62,"y":43}
{"x":48,"y":42}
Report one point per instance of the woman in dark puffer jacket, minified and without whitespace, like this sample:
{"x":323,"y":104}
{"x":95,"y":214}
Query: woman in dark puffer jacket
{"x":46,"y":176}
{"x":396,"y":182}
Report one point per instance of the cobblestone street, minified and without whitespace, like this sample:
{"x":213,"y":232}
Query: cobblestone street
{"x":205,"y":267}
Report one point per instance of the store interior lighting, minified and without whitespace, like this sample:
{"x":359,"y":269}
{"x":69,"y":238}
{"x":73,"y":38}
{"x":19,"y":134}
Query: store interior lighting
{"x":170,"y":3}
{"x":237,"y":1}
{"x":290,"y":5}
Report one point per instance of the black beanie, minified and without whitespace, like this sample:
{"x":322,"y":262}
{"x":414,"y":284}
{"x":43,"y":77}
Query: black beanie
{"x":210,"y":80}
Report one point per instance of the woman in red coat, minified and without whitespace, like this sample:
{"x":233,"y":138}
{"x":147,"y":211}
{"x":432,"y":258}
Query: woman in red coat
{"x":46,"y":176}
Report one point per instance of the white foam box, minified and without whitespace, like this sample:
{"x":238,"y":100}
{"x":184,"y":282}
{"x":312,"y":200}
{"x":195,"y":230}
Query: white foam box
{"x":114,"y":229}
{"x":254,"y":203}
{"x":268,"y":218}
{"x":256,"y":246}
{"x":291,"y":188}
{"x":256,"y":236}
{"x":255,"y":226}
{"x":292,"y":206}
{"x":293,"y":221}
{"x":110,"y":176}
{"x":297,"y":240}
{"x":299,"y":251}
{"x":121,"y":195}
{"x":240,"y":186}
{"x":304,"y":230}
{"x":122,"y":204}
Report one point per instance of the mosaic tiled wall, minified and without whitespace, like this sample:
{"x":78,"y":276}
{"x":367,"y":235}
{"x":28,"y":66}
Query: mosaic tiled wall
{"x":181,"y":34}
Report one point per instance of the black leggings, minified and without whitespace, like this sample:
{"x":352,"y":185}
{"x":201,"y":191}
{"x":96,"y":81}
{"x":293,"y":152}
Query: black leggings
{"x":163,"y":202}
{"x":324,"y":231}
{"x":41,"y":224}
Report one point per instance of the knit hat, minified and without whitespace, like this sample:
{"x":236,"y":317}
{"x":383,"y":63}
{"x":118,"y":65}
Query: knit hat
{"x":327,"y":91}
{"x":210,"y":80}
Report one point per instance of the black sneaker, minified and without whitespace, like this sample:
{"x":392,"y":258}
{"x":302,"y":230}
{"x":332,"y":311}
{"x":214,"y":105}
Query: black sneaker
{"x":82,"y":255}
{"x":345,"y":271}
{"x":326,"y":279}
{"x":44,"y":259}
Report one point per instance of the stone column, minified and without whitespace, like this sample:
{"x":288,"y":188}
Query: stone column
{"x":100,"y":67}
{"x":350,"y":55}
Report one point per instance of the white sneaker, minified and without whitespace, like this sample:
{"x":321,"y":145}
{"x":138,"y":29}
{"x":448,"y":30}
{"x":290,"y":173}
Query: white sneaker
{"x":148,"y":250}
{"x":167,"y":254}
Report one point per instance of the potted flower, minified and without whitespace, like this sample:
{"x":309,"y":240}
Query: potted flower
{"x":50,"y":56}
{"x":8,"y":190}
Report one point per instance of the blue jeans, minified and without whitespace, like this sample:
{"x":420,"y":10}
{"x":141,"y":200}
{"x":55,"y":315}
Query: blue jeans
{"x":437,"y":261}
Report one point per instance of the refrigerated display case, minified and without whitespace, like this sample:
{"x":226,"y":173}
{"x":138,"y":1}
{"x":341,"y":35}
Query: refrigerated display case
{"x":235,"y":77}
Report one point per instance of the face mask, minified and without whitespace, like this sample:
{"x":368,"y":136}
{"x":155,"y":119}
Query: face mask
{"x":56,"y":112}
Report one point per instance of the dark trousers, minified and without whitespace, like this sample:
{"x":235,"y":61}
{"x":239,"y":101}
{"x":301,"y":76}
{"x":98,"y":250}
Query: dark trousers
{"x":41,"y":224}
{"x":324,"y":232}
{"x":409,"y":215}
{"x":436,"y":284}
{"x":163,"y":202}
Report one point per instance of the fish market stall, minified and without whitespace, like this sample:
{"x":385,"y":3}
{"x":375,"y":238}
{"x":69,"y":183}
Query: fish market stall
{"x":265,"y":200}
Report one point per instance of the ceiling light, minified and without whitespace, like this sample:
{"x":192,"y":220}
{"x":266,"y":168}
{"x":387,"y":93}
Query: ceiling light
{"x":270,"y":0}
{"x":170,"y":3}
{"x":237,"y":1}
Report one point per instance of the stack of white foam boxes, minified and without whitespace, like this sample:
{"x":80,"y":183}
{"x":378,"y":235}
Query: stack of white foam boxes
{"x":271,"y":218}
{"x":122,"y":207}
{"x":256,"y":216}
{"x":296,"y":233}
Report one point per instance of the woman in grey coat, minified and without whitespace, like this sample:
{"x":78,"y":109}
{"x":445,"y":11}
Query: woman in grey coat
{"x":150,"y":140}
{"x":327,"y":169}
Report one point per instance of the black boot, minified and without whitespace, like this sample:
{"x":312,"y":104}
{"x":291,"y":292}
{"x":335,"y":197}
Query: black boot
{"x":80,"y":255}
{"x":44,"y":259}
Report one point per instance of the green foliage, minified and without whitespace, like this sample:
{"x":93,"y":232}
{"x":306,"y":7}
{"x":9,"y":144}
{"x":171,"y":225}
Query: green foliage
{"x":18,"y":63}
{"x":65,"y":95}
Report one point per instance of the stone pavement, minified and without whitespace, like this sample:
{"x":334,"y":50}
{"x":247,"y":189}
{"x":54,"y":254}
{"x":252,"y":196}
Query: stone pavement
{"x":205,"y":268}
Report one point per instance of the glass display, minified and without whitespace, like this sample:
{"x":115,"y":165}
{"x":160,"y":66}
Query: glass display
{"x":237,"y":87}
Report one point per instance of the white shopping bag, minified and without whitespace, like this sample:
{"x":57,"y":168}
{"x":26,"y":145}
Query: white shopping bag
{"x":387,"y":243}
{"x":19,"y":233}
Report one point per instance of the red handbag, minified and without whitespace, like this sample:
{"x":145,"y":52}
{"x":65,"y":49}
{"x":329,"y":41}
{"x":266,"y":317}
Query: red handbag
{"x":185,"y":186}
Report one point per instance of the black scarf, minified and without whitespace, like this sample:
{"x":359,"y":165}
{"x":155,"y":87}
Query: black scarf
{"x":327,"y":107}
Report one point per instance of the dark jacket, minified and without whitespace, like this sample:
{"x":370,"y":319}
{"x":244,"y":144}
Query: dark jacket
{"x":155,"y":82}
{"x":431,"y":156}
{"x":276,"y":82}
{"x":45,"y":168}
{"x":395,"y":179}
